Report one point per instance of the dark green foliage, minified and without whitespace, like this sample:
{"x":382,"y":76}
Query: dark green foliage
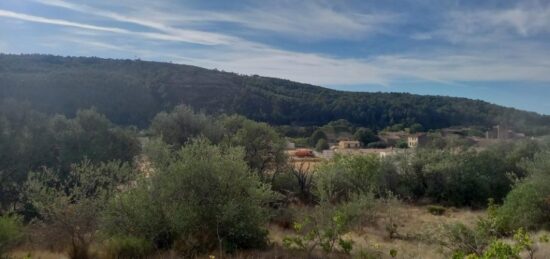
{"x":316,"y":136}
{"x":402,"y":144}
{"x":416,"y":127}
{"x":201,"y":198}
{"x":263,"y":147}
{"x":377,"y":144}
{"x":366,"y":136}
{"x":449,"y":177}
{"x":182,"y":124}
{"x":321,"y":145}
{"x":528,"y":204}
{"x":69,"y":206}
{"x":31,"y":140}
{"x":460,"y":178}
{"x":133,"y":92}
{"x":347,"y":176}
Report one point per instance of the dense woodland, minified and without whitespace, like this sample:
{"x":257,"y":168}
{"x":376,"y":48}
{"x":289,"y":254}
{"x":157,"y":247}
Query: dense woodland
{"x":132,"y":92}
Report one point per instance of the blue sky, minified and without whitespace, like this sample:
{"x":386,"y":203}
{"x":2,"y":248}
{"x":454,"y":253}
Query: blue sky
{"x":494,"y":50}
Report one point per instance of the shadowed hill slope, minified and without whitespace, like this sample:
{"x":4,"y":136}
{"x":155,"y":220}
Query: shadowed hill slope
{"x":131,"y":92}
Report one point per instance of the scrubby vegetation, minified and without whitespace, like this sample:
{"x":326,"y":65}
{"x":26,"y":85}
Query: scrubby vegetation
{"x":194,"y":184}
{"x":10,"y":233}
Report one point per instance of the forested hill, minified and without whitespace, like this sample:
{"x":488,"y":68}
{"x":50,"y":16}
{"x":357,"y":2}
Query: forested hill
{"x":131,"y":92}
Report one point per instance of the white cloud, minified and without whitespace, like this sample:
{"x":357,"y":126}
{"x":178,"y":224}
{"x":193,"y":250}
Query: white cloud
{"x":494,"y":26}
{"x":38,"y":19}
{"x":309,"y":20}
{"x":177,"y":35}
{"x":517,"y":61}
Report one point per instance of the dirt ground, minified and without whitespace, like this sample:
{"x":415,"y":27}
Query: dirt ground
{"x":416,"y":226}
{"x":417,"y":229}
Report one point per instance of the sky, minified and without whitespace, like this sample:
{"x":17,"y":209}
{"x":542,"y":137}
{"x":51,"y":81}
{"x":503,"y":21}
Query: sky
{"x":494,"y":50}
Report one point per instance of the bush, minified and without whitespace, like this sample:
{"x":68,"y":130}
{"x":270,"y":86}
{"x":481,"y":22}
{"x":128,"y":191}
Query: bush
{"x":461,"y":239}
{"x":202,"y":198}
{"x":436,"y":210}
{"x":326,"y":226}
{"x":70,"y":207}
{"x":127,"y":247}
{"x":346,"y":176}
{"x":377,"y":144}
{"x":528,"y":204}
{"x":11,"y":232}
{"x":321,"y":145}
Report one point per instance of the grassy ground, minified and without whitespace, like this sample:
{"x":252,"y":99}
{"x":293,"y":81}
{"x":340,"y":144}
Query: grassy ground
{"x":417,"y":230}
{"x":416,"y":227}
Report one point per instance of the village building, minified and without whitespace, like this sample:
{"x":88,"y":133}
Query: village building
{"x":417,"y":140}
{"x":502,"y":133}
{"x":290,"y":145}
{"x":349,"y":144}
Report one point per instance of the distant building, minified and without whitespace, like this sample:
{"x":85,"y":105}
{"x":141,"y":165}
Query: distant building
{"x":303,"y":152}
{"x":349,"y":144}
{"x":501,"y":132}
{"x":290,"y":145}
{"x":380,"y":152}
{"x":417,"y":140}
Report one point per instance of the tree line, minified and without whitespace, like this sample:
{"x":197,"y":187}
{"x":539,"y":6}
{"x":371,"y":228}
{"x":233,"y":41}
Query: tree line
{"x":132,"y":92}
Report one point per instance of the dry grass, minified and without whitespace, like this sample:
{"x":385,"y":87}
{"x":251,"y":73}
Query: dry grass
{"x":416,"y":229}
{"x":37,"y":254}
{"x":417,"y":235}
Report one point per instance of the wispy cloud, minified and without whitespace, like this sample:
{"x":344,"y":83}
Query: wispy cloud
{"x":319,"y":20}
{"x":492,"y":25}
{"x":309,"y":19}
{"x":176,"y":35}
{"x":38,"y":19}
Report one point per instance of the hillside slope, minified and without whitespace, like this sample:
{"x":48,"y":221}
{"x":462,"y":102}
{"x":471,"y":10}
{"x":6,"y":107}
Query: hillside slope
{"x":131,"y":92}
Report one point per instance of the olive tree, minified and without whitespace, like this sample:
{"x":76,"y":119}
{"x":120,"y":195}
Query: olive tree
{"x":201,"y":198}
{"x":69,"y":206}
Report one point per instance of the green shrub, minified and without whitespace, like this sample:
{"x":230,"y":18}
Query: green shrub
{"x":201,"y":198}
{"x":11,"y":232}
{"x":345,"y":176}
{"x":528,"y":204}
{"x":321,"y":145}
{"x":522,"y":243}
{"x":436,"y":210}
{"x":127,"y":247}
{"x":377,"y":144}
{"x":461,"y":239}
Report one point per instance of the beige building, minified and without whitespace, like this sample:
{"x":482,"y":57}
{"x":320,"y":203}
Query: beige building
{"x":349,"y":144}
{"x":417,"y":140}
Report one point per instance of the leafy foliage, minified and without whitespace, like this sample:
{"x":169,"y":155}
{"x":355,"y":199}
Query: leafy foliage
{"x":528,"y":204}
{"x":263,"y":146}
{"x":31,"y":140}
{"x":11,"y":232}
{"x":345,"y":176}
{"x":201,"y":198}
{"x":70,"y":206}
{"x":325,"y":227}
